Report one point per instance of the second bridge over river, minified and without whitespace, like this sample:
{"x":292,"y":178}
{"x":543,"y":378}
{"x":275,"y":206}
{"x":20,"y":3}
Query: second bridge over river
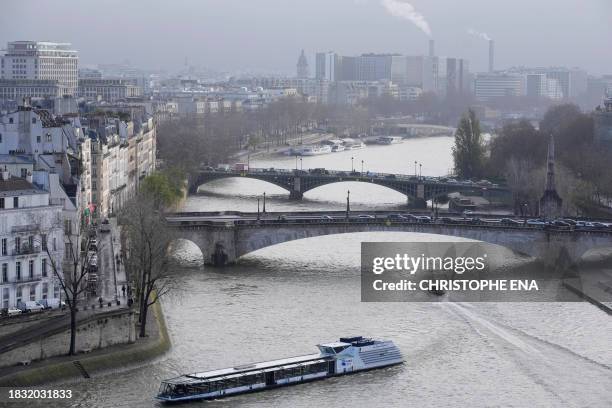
{"x":418,"y":189}
{"x":223,"y":237}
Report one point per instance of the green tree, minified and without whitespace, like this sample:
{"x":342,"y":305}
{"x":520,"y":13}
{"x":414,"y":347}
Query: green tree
{"x":165,"y":188}
{"x":469,"y":149}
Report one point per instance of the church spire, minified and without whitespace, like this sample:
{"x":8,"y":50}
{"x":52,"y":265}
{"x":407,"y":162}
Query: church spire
{"x":550,"y":203}
{"x":550,"y":165}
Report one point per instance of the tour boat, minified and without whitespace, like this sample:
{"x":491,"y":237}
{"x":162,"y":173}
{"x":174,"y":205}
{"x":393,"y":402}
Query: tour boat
{"x":315,"y":150}
{"x":387,"y":140}
{"x":355,"y":146}
{"x":338,"y":148}
{"x":349,"y":355}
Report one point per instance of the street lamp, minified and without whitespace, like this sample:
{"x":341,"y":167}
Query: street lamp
{"x":296,"y":161}
{"x":415,"y":172}
{"x":301,"y":164}
{"x":348,"y":203}
{"x":264,"y":202}
{"x":524,"y":208}
{"x":258,"y":216}
{"x":352,"y":166}
{"x":420,"y":170}
{"x":362,"y":167}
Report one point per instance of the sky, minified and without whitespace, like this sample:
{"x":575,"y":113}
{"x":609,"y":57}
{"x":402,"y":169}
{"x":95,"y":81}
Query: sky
{"x":267,"y":35}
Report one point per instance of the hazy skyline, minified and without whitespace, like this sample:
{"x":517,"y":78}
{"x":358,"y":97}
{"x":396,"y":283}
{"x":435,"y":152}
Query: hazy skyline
{"x":234,"y":35}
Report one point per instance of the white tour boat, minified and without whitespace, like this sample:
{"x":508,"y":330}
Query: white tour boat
{"x":315,"y":150}
{"x":349,"y":355}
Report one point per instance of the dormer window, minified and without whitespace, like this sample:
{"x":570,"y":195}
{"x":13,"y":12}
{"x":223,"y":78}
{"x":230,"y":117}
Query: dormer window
{"x":38,"y":139}
{"x":33,"y":120}
{"x":10,"y":120}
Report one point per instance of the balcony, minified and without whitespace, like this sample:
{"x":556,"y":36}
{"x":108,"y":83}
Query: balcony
{"x":27,"y":249}
{"x":26,"y":279}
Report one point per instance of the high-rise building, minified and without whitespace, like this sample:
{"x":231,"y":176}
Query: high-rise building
{"x":489,"y":86}
{"x":539,"y":85}
{"x":37,"y":60}
{"x":303,"y":71}
{"x":327,"y":66}
{"x":457,"y":76}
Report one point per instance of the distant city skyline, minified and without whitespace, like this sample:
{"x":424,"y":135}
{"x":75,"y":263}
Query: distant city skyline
{"x":268,"y":35}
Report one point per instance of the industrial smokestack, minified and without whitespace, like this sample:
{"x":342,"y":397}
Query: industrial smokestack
{"x":432,"y":48}
{"x":491,"y":55}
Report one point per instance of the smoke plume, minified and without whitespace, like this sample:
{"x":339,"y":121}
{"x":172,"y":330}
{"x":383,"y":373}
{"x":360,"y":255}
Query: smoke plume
{"x":406,"y":11}
{"x":478,"y":34}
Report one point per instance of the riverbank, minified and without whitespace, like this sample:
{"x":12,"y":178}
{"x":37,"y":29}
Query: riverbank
{"x":114,"y":358}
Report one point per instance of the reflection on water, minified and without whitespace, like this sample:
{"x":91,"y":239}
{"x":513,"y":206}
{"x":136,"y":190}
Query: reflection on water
{"x":281,"y":301}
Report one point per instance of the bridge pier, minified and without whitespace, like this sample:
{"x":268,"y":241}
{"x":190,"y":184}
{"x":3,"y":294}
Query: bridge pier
{"x":296,"y":195}
{"x":417,"y":203}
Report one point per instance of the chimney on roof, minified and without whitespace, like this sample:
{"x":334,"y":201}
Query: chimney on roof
{"x":30,"y":177}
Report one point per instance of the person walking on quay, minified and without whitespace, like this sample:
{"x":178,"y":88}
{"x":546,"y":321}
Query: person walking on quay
{"x":100,"y":301}
{"x":123,"y":290}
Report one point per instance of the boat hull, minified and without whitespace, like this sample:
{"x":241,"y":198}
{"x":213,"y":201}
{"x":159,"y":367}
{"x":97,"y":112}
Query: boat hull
{"x":264,"y":387}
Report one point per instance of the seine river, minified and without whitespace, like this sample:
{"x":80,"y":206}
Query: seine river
{"x":281,"y":301}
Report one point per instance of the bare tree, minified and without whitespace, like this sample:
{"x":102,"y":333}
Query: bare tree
{"x":72,"y":280}
{"x":146,"y":240}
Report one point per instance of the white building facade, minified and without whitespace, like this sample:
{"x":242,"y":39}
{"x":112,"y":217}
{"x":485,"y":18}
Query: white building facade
{"x":31,"y":237}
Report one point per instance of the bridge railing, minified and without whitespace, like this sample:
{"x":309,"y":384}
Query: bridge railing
{"x":366,"y":174}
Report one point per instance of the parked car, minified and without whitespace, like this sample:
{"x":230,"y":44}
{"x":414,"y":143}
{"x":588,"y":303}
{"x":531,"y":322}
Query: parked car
{"x":396,"y":217}
{"x":11,"y":311}
{"x":510,"y":221}
{"x":560,"y":223}
{"x":424,"y":218}
{"x":447,"y":220}
{"x":366,"y":217}
{"x":30,"y":306}
{"x":52,"y":303}
{"x":536,"y":223}
{"x":327,"y":218}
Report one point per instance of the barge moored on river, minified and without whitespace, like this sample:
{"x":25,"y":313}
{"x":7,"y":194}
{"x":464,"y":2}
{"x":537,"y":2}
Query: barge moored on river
{"x":349,"y":355}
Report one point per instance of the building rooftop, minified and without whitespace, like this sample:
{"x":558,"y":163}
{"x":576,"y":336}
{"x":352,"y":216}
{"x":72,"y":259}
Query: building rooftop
{"x":17,"y":186}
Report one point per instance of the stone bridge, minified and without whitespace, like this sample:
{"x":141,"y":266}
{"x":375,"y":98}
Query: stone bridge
{"x":417,"y":189}
{"x":224,"y":237}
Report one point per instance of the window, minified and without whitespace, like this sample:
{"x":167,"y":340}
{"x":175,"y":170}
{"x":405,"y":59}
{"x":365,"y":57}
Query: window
{"x":1,"y":202}
{"x":31,"y":269}
{"x":33,"y":120}
{"x":4,"y":242}
{"x":17,"y":245}
{"x":4,"y":272}
{"x":10,"y":120}
{"x":33,"y":292}
{"x":43,"y":267}
{"x":18,"y":270}
{"x":67,"y":227}
{"x":31,"y":241}
{"x":24,"y":173}
{"x":0,"y":137}
{"x":15,"y":202}
{"x":54,"y":243}
{"x":49,"y":139}
{"x":68,"y":250}
{"x":43,"y":241}
{"x":45,"y":289}
{"x":18,"y":294}
{"x":5,"y":298}
{"x":38,"y":139}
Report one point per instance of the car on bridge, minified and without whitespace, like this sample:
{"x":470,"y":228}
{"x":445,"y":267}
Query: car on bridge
{"x":396,"y":217}
{"x":327,"y":218}
{"x":510,"y":222}
{"x":423,"y":218}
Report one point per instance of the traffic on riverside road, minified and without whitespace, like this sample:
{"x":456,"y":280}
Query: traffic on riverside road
{"x":386,"y":217}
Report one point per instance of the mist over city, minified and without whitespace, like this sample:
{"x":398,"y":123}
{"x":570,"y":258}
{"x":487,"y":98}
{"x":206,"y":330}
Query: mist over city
{"x":211,"y":200}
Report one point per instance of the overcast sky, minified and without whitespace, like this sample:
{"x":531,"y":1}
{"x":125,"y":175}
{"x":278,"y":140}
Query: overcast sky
{"x":268,"y":34}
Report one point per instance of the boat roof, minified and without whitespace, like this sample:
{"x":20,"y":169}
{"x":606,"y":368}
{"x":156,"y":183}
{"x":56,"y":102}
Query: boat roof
{"x":335,"y":344}
{"x":245,"y":369}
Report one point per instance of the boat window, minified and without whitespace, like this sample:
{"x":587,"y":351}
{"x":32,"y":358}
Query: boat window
{"x":326,"y":350}
{"x":339,"y":348}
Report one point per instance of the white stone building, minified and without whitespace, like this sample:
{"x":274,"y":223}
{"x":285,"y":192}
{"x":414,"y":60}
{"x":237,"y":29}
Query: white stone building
{"x":30,"y":223}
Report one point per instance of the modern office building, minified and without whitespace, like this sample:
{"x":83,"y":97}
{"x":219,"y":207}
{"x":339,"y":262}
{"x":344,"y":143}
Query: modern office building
{"x":327,"y":66}
{"x":490,"y":86}
{"x":38,"y":60}
{"x":540,"y":85}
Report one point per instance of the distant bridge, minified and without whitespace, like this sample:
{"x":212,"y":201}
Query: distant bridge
{"x":223,"y":237}
{"x":417,"y":189}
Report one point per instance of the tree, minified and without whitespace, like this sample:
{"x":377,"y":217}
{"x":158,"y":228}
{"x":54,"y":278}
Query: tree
{"x":469,"y":150}
{"x":72,"y":281}
{"x":146,"y":239}
{"x":165,"y":187}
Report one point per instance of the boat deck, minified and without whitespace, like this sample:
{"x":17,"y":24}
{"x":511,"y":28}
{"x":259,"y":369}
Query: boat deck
{"x":242,"y":369}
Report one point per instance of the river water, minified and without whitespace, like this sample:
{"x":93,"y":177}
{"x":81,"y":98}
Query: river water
{"x":281,"y":301}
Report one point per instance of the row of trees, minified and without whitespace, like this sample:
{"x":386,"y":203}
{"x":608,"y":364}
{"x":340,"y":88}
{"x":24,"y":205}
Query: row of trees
{"x":518,"y":152}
